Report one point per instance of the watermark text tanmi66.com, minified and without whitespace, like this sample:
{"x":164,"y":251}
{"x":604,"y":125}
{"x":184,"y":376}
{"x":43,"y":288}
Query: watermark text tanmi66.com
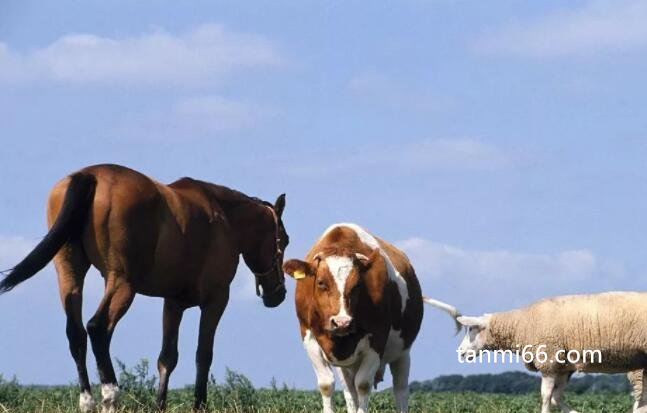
{"x":529,"y":354}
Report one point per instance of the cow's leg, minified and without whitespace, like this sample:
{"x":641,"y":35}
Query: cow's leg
{"x":167,"y":359}
{"x":209,"y":318}
{"x":347,"y":377}
{"x":116,"y":300}
{"x":547,"y":388}
{"x":323,"y":371}
{"x":400,"y":373}
{"x":71,"y":266}
{"x":364,"y":379}
{"x":379,"y":376}
{"x":560,"y":383}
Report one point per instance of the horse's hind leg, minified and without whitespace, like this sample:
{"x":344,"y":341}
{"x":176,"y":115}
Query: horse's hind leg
{"x":71,"y":266}
{"x":116,"y":300}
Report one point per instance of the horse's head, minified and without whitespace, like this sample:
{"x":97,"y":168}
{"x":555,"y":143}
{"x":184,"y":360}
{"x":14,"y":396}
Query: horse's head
{"x":267,"y":260}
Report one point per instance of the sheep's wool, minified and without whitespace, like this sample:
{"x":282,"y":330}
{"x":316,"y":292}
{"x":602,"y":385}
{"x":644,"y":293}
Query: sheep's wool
{"x":612,"y":322}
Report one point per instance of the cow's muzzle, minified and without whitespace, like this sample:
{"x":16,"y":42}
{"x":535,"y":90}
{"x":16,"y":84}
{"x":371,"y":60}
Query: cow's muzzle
{"x":341,"y":326}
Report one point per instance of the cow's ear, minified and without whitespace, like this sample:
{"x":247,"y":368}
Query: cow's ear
{"x":373,"y":272}
{"x":298,"y":269}
{"x":279,"y":205}
{"x":364,"y":262}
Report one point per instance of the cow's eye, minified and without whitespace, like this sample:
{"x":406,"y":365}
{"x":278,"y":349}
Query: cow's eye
{"x":321,"y":285}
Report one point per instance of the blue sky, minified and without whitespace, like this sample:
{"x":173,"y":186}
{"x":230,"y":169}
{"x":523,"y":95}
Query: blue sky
{"x":501,"y":144}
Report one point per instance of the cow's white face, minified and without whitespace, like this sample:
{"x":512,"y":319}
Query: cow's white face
{"x":340,"y":269}
{"x":338,"y":286}
{"x":474,"y":340}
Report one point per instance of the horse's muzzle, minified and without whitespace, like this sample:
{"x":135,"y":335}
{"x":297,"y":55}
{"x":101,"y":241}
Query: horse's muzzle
{"x":275,"y":298}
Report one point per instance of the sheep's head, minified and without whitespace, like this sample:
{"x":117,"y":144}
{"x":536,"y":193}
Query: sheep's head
{"x":475,"y":336}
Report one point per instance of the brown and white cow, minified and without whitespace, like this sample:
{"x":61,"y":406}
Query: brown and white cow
{"x":360,"y":308}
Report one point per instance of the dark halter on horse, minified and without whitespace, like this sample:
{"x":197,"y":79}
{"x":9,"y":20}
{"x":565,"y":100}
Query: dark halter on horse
{"x":274,"y":266}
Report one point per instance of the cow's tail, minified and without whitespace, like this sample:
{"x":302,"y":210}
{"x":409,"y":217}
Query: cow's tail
{"x":449,"y":309}
{"x":68,"y":224}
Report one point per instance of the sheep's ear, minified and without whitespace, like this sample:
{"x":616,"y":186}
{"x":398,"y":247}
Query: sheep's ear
{"x":480,"y":322}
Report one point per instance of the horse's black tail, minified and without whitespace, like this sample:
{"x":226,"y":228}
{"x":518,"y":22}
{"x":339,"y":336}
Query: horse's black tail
{"x":69,"y":223}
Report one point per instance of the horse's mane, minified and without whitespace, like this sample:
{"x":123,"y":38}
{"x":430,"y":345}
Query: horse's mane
{"x":226,"y":196}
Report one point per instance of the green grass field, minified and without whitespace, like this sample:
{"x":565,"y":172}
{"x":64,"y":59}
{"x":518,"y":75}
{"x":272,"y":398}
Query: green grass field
{"x":237,"y":394}
{"x":64,"y":399}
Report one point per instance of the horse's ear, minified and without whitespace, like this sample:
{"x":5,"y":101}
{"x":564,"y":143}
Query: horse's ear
{"x":279,"y":205}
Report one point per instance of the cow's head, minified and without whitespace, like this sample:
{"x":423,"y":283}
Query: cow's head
{"x":340,"y":284}
{"x":476,"y":336}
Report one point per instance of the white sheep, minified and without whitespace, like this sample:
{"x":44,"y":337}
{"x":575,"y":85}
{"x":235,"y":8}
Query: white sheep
{"x":608,"y":332}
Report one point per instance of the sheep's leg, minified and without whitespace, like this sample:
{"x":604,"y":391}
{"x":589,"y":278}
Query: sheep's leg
{"x":637,"y":378}
{"x":547,"y":388}
{"x":556,"y":400}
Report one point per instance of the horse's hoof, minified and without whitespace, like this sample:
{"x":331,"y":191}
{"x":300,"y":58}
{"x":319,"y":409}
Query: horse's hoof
{"x":110,"y":396}
{"x":86,"y":402}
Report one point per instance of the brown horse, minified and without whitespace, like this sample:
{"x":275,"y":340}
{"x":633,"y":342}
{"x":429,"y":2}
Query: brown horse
{"x":180,"y":241}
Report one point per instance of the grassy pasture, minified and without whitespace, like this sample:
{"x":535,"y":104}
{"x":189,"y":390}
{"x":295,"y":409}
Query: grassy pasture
{"x":236,"y":394}
{"x":64,"y":400}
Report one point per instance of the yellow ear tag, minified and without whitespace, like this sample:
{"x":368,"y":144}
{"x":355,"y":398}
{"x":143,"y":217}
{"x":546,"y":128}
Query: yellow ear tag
{"x":298,"y":275}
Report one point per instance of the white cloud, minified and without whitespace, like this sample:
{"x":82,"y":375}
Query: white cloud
{"x":441,"y":154}
{"x":203,"y":55}
{"x":599,"y":26}
{"x":441,"y":260}
{"x":501,"y":275}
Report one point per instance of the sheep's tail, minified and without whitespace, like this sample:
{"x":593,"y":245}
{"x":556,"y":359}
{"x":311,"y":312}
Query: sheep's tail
{"x":69,"y":223}
{"x":449,"y":309}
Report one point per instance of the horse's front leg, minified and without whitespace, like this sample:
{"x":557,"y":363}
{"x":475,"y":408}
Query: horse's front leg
{"x":210,"y":315}
{"x":168,"y":355}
